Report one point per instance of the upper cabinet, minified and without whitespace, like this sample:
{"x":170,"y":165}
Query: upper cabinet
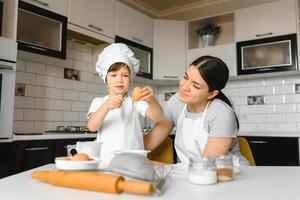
{"x":266,"y":20}
{"x":95,"y":16}
{"x":134,"y":25}
{"x":57,"y":6}
{"x":169,"y":49}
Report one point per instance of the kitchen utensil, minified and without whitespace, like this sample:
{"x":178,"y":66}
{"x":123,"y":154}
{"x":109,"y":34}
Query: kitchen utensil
{"x":63,"y":164}
{"x":94,"y":181}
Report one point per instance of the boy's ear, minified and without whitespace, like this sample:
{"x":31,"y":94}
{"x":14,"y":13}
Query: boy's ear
{"x":213,"y":94}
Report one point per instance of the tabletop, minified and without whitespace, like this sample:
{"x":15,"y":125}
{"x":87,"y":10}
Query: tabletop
{"x":252,"y":183}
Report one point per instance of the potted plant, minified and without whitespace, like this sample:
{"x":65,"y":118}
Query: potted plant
{"x":208,"y":30}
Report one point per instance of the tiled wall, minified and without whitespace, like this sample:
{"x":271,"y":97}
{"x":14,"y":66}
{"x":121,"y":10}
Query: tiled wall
{"x":50,"y":100}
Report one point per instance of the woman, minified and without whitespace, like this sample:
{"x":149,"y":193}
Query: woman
{"x":202,"y":114}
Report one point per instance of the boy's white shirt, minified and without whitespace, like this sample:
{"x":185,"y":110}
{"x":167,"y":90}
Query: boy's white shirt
{"x":121,"y":129}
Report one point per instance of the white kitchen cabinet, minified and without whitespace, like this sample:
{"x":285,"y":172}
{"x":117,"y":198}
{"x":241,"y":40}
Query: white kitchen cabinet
{"x":57,"y":6}
{"x":98,"y":16}
{"x":169,"y":49}
{"x":226,"y":52}
{"x":266,"y":20}
{"x":134,"y":25}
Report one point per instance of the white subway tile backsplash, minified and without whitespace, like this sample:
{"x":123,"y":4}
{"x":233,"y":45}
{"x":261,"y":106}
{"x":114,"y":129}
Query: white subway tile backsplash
{"x":51,"y":115}
{"x":264,"y":90}
{"x":40,"y":127}
{"x":87,"y":57}
{"x":80,"y":106}
{"x":87,"y":77}
{"x":62,"y":105}
{"x":255,"y":82}
{"x":23,"y":127}
{"x":93,"y":87}
{"x":247,"y":91}
{"x":266,"y":127}
{"x":274,"y":99}
{"x":21,"y":65}
{"x":18,"y":114}
{"x":37,"y":68}
{"x":43,"y":103}
{"x":245,"y":109}
{"x":63,"y":83}
{"x":247,"y":127}
{"x":45,"y":81}
{"x":71,"y":95}
{"x":78,"y":85}
{"x":265,"y":109}
{"x":232,"y":92}
{"x":34,"y":115}
{"x":54,"y":93}
{"x":24,"y":102}
{"x":26,"y":78}
{"x":256,"y":118}
{"x":70,"y":116}
{"x":286,"y":127}
{"x":274,"y":81}
{"x":74,"y":54}
{"x":237,"y":84}
{"x":292,"y":79}
{"x":286,"y":108}
{"x":34,"y":91}
{"x":292,"y":98}
{"x":284,"y":89}
{"x":79,"y":65}
{"x":293,"y":117}
{"x":54,"y":71}
{"x":85,"y":96}
{"x":83,"y":116}
{"x":276,"y":118}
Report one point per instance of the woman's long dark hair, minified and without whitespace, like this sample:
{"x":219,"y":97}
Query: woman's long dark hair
{"x":215,"y":73}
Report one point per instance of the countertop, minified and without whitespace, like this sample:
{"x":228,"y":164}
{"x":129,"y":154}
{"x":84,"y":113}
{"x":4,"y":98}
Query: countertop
{"x":254,"y":183}
{"x":270,"y":134}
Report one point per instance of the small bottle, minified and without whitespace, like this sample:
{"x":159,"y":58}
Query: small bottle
{"x":224,"y":166}
{"x":202,"y":171}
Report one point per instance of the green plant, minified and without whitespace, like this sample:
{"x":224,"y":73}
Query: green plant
{"x":208,"y":27}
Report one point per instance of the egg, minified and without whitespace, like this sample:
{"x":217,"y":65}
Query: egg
{"x":65,"y":158}
{"x":80,"y":157}
{"x":136,"y":93}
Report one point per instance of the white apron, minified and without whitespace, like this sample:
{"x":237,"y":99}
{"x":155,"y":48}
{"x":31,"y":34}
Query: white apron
{"x":121,"y":130}
{"x":188,"y":131}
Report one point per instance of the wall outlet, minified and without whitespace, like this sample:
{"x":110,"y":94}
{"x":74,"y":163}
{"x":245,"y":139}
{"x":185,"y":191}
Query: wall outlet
{"x":20,"y":89}
{"x":256,"y":100}
{"x":71,"y":74}
{"x":297,"y":88}
{"x":168,"y":95}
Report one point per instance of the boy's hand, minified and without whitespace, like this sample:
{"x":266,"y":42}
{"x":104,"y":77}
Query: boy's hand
{"x":147,"y":94}
{"x":114,"y":101}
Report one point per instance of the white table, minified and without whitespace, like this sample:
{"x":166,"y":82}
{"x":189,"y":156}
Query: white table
{"x":255,"y":183}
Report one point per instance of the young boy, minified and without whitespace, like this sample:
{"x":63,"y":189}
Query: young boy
{"x":113,"y":116}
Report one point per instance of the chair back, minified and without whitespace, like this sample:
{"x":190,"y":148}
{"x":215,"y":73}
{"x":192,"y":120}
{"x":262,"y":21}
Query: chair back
{"x":246,"y":150}
{"x":164,"y":152}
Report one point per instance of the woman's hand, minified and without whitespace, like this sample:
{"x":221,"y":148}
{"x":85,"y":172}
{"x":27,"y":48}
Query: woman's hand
{"x":147,"y":94}
{"x":114,"y":101}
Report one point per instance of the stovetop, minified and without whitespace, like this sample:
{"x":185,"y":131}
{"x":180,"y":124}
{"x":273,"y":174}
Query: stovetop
{"x":71,"y":130}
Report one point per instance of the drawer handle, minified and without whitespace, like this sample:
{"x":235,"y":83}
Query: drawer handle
{"x":36,"y":148}
{"x":95,"y":27}
{"x":41,"y":3}
{"x":258,"y":142}
{"x":137,"y":39}
{"x":37,"y":48}
{"x":264,"y":34}
{"x":170,"y":76}
{"x":6,"y":67}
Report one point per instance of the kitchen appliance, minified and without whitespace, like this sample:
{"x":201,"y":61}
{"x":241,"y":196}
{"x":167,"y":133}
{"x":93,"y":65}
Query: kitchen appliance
{"x":143,"y":53}
{"x":41,"y":31}
{"x":8,"y":54}
{"x":271,"y":54}
{"x":70,"y":130}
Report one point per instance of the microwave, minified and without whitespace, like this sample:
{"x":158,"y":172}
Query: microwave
{"x":143,"y":53}
{"x":41,"y":31}
{"x":265,"y":55}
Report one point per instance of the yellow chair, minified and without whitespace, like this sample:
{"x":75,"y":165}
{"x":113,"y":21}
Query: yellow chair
{"x":164,"y":152}
{"x":246,"y":150}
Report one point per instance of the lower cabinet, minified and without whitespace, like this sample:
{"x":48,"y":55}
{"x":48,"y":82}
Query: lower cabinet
{"x":275,"y":151}
{"x":6,"y":149}
{"x":32,"y":153}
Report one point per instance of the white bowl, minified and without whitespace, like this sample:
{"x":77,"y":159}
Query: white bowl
{"x":143,"y":152}
{"x":62,"y":164}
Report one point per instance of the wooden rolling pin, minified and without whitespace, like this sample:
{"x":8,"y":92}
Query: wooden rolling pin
{"x":93,"y":181}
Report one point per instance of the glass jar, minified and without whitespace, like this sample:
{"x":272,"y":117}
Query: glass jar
{"x":224,"y":166}
{"x":202,"y":171}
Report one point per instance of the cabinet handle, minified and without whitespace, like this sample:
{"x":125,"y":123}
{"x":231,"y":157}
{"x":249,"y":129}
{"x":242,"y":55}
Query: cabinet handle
{"x":258,"y":142}
{"x":37,"y":48}
{"x":170,"y":76}
{"x":264,"y":34}
{"x":36,"y":148}
{"x":41,"y":3}
{"x":137,"y":39}
{"x":95,"y":27}
{"x":6,"y":67}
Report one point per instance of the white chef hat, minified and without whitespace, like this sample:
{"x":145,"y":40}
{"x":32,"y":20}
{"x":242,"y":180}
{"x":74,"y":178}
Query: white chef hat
{"x":114,"y":53}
